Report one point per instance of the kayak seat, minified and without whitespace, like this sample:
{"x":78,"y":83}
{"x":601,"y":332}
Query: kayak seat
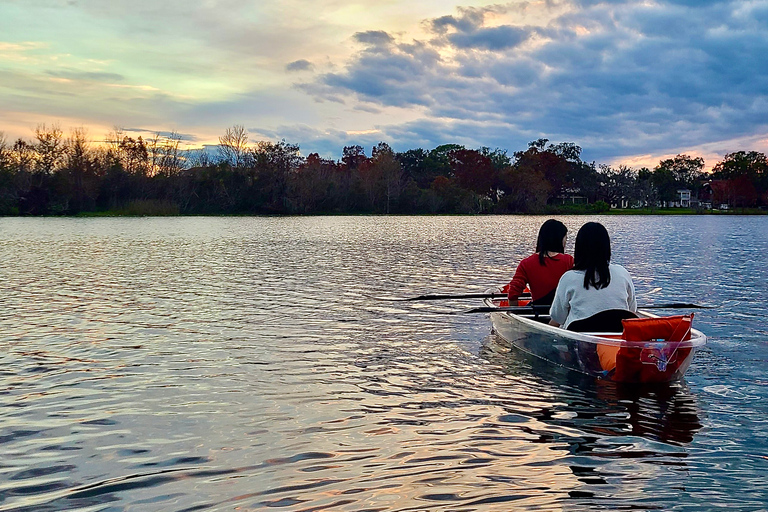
{"x":604,"y":321}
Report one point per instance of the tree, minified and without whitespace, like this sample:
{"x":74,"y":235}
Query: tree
{"x":664,"y":182}
{"x":474,"y":172}
{"x":568,"y":150}
{"x":583,"y":179}
{"x":78,"y":181}
{"x":8,"y":189}
{"x":551,"y":163}
{"x":414,"y":165}
{"x":685,"y":171}
{"x":745,"y":166}
{"x":49,"y":148}
{"x":391,"y":172}
{"x":274,"y":163}
{"x":438,"y":161}
{"x":310,"y":186}
{"x":646,"y":191}
{"x":617,"y":185}
{"x":233,"y":147}
{"x":5,"y":153}
{"x":353,"y":157}
{"x":165,"y":155}
{"x":498,"y":157}
{"x":449,"y":197}
{"x":525,"y":190}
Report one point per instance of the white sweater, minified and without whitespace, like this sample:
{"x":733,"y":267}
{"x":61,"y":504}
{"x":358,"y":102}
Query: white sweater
{"x":573,"y":302}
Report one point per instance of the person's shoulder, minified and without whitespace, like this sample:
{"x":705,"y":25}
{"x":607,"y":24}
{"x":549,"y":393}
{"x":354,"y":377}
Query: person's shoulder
{"x":572,"y":276}
{"x":533,"y":258}
{"x":617,"y":269}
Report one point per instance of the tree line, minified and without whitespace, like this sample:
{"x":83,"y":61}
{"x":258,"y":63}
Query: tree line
{"x":54,"y":174}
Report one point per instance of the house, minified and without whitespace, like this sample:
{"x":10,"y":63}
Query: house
{"x":684,"y":198}
{"x":572,"y":196}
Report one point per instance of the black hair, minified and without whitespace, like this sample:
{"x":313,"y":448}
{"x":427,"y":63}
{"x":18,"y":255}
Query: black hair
{"x":592,"y":253}
{"x":550,"y":238}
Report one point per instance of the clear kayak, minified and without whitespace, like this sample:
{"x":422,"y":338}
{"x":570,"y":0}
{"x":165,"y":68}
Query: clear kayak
{"x":616,"y":356}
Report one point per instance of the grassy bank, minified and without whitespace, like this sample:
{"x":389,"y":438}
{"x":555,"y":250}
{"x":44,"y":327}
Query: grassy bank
{"x":604,"y":209}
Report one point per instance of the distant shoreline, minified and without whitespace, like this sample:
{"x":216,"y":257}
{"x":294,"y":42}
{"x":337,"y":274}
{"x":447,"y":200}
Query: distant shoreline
{"x":550,"y":212}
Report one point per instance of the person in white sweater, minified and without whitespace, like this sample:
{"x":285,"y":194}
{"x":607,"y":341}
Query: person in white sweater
{"x":594,"y":284}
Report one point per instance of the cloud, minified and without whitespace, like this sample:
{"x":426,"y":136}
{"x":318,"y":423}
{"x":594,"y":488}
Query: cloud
{"x":392,"y":77}
{"x":494,"y":38}
{"x":618,"y":77}
{"x":373,"y":37}
{"x":299,"y":65}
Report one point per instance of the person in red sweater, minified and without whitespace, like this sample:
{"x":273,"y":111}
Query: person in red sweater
{"x":542,"y":270}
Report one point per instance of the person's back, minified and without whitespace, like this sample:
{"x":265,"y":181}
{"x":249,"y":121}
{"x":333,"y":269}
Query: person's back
{"x":594,"y":284}
{"x":541,"y":271}
{"x":573,"y":302}
{"x":541,"y":279}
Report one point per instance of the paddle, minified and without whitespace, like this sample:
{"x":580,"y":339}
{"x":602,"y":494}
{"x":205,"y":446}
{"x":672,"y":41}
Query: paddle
{"x":490,"y":309}
{"x":676,"y":305}
{"x":545,"y":308}
{"x":443,"y":297}
{"x":467,"y":296}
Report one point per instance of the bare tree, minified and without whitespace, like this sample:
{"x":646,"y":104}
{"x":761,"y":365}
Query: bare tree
{"x":173,"y":160}
{"x":165,"y":156}
{"x":199,"y":158}
{"x":5,"y":152}
{"x":233,"y":146}
{"x":155,"y":151}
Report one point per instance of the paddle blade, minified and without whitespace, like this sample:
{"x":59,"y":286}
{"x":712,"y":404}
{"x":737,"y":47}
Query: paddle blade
{"x":676,"y":305}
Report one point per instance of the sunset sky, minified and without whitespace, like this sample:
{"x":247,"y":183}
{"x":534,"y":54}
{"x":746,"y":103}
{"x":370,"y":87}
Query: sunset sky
{"x":629,"y":81}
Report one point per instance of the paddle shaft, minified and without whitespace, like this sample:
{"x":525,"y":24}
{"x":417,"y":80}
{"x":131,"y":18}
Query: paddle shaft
{"x":446,"y":297}
{"x":676,"y":305}
{"x":544,"y":309}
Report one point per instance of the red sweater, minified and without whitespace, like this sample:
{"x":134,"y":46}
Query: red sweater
{"x":540,"y":279}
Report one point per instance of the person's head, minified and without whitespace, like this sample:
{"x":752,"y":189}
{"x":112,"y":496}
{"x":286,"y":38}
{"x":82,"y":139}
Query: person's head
{"x":551,"y":238}
{"x":592,"y":253}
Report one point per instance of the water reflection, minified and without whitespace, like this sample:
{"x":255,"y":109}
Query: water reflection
{"x":665,"y":412}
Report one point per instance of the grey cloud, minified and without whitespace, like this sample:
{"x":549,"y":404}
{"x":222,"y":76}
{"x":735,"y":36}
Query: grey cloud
{"x":496,"y":38}
{"x":469,"y":20}
{"x":299,"y":65}
{"x":463,"y":24}
{"x":393,"y":77}
{"x":373,"y":37}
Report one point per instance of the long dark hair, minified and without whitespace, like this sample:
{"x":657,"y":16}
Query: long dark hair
{"x":550,"y":238}
{"x":592,"y":253}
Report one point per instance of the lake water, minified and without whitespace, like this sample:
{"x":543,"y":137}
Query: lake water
{"x":182,"y":364}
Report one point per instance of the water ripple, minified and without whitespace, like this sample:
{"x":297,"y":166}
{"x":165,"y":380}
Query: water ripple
{"x":221,"y":363}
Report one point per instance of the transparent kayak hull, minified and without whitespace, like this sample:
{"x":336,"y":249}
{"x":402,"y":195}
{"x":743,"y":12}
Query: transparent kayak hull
{"x":603,"y":355}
